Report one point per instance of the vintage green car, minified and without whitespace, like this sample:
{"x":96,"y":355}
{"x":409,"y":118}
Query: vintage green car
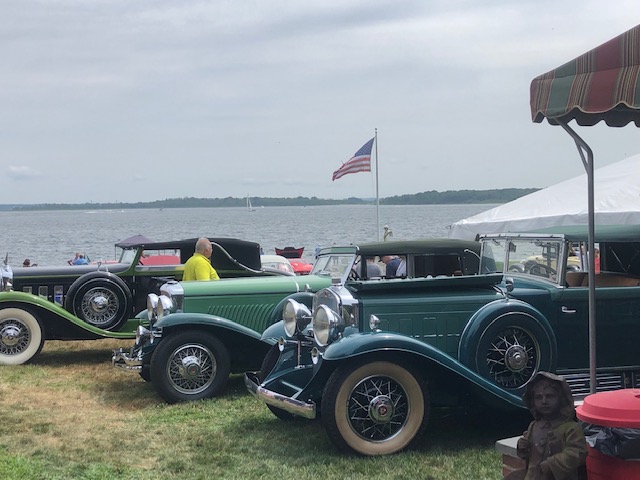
{"x":200,"y":332}
{"x":89,"y":302}
{"x":373,"y":356}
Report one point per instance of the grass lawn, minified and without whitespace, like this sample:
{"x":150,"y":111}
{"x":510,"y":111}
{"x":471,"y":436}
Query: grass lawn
{"x":71,"y":415}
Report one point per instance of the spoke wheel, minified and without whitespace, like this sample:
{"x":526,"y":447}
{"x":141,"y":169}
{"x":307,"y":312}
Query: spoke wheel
{"x":376,"y":408}
{"x":189,"y":366}
{"x":21,"y":336}
{"x":101,"y":302}
{"x":513,"y":357}
{"x":512,"y":349}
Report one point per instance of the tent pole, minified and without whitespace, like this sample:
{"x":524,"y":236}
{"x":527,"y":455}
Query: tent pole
{"x":584,"y":149}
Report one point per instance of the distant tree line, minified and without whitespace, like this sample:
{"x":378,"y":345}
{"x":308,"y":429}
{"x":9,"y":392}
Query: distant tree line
{"x":497,"y":196}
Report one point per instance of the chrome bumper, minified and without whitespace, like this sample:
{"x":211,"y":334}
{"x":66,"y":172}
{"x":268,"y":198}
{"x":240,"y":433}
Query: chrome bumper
{"x":126,"y":360}
{"x":288,"y":404}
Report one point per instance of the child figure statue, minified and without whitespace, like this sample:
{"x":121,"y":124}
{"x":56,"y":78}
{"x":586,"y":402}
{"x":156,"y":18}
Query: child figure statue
{"x":554,"y":445}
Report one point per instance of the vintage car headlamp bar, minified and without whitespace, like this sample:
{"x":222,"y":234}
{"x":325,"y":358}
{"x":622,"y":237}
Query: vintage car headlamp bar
{"x":296,"y":317}
{"x":325,"y":325}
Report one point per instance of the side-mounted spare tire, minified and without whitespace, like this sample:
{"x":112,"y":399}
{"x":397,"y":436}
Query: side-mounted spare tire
{"x":509,"y":347}
{"x":101,"y":299}
{"x":21,"y":336}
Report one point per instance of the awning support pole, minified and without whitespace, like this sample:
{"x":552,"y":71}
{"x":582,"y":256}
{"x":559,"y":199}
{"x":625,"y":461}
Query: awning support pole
{"x":586,"y":154}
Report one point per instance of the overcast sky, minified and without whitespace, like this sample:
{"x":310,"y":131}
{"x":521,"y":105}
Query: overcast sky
{"x":127,"y":101}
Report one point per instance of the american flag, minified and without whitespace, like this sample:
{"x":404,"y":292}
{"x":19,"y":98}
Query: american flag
{"x":360,"y":162}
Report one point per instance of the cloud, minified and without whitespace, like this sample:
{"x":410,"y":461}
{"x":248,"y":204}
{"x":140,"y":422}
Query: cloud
{"x":21,"y":173}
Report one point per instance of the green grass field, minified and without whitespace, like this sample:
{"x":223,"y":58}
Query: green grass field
{"x":71,"y":415}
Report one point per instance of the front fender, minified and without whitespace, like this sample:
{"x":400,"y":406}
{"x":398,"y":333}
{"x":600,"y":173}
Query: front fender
{"x":274,"y":332}
{"x":52,"y":310}
{"x":183,"y":320}
{"x":360,"y":344}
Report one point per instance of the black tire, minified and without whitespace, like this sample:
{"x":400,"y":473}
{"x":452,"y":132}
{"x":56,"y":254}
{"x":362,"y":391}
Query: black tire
{"x":511,"y":349}
{"x":189,"y":365}
{"x":269,"y":361}
{"x":393,"y":393}
{"x":145,"y":373}
{"x":21,"y":336}
{"x":102,"y":301}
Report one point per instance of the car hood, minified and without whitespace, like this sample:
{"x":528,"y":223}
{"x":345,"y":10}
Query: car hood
{"x":270,"y":284}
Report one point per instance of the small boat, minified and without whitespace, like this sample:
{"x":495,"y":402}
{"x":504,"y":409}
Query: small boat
{"x":290,"y":252}
{"x":249,"y":207}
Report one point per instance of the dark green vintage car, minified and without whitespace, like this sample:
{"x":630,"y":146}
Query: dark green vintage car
{"x":373,"y":356}
{"x":201,"y":331}
{"x":89,"y":302}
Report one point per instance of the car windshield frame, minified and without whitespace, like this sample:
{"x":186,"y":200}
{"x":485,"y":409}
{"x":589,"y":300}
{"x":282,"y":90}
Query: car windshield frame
{"x":335,"y":265}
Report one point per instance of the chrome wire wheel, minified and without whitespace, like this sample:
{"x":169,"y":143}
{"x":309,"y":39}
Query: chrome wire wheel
{"x":191,"y":369}
{"x":99,"y":307}
{"x":513,"y":357}
{"x":376,"y":408}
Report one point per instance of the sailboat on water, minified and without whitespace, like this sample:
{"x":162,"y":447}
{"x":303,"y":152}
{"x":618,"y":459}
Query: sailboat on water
{"x":249,"y":207}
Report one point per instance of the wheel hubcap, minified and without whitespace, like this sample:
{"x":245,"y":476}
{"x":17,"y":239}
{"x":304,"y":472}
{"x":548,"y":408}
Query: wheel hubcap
{"x":99,"y":303}
{"x":381,"y":409}
{"x":14,"y":337}
{"x":10,"y":335}
{"x":516,"y":358}
{"x":190,"y":368}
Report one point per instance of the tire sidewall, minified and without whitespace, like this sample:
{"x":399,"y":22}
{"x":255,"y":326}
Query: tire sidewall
{"x":29,"y":322}
{"x":164,"y":353}
{"x":335,"y":407}
{"x":98,"y":280}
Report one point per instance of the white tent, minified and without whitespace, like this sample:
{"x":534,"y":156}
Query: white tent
{"x":617,"y":202}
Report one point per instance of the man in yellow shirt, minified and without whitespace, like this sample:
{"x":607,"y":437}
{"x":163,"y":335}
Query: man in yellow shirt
{"x":198,"y":267}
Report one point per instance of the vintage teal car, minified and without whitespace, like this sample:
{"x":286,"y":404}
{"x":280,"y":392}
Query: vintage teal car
{"x":90,"y":302}
{"x":371,"y":357}
{"x":201,"y":331}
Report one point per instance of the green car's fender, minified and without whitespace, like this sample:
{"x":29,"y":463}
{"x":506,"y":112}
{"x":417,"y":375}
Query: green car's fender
{"x":385,"y":344}
{"x":59,"y":323}
{"x":184,"y":320}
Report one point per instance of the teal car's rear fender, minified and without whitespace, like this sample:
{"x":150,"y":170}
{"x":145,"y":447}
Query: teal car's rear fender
{"x":419,"y":354}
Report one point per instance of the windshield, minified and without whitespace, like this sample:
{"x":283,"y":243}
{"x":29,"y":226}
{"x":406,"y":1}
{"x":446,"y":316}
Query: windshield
{"x":533,"y":256}
{"x":334,"y":265}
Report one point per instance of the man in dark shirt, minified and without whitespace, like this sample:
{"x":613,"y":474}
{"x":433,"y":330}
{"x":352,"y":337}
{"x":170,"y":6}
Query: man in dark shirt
{"x":392,"y":262}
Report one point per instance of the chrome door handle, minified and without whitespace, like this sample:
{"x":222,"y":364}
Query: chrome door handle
{"x":567,"y":310}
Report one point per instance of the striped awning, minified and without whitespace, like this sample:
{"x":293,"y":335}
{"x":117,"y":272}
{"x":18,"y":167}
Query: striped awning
{"x":602,"y":84}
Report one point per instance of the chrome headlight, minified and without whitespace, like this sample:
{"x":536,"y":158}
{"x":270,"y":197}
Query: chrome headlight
{"x":152,"y":303}
{"x":325,"y":325}
{"x":296,"y":317}
{"x":175,"y":292}
{"x":142,"y":335}
{"x":158,"y":306}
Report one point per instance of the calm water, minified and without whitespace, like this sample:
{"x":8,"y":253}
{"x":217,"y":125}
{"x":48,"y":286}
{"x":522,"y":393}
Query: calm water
{"x":52,"y":237}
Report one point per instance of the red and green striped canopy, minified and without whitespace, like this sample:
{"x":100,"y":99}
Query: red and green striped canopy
{"x":602,"y":84}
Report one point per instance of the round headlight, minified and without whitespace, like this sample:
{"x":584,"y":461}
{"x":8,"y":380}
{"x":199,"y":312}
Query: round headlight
{"x":152,"y":303}
{"x":164,"y":306}
{"x":325,"y":321}
{"x":142,"y":334}
{"x":296,"y":316}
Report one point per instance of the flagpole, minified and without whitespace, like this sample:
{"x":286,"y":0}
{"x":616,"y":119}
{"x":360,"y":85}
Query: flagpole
{"x":377,"y":194}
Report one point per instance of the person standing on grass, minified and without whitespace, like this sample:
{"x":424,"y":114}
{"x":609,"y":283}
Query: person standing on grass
{"x":198,"y":267}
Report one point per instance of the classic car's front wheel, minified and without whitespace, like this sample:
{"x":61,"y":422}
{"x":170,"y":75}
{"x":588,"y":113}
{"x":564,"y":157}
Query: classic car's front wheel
{"x":102,"y":301}
{"x":21,"y":336}
{"x":512,"y":349}
{"x":375,"y":408}
{"x":189,"y":365}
